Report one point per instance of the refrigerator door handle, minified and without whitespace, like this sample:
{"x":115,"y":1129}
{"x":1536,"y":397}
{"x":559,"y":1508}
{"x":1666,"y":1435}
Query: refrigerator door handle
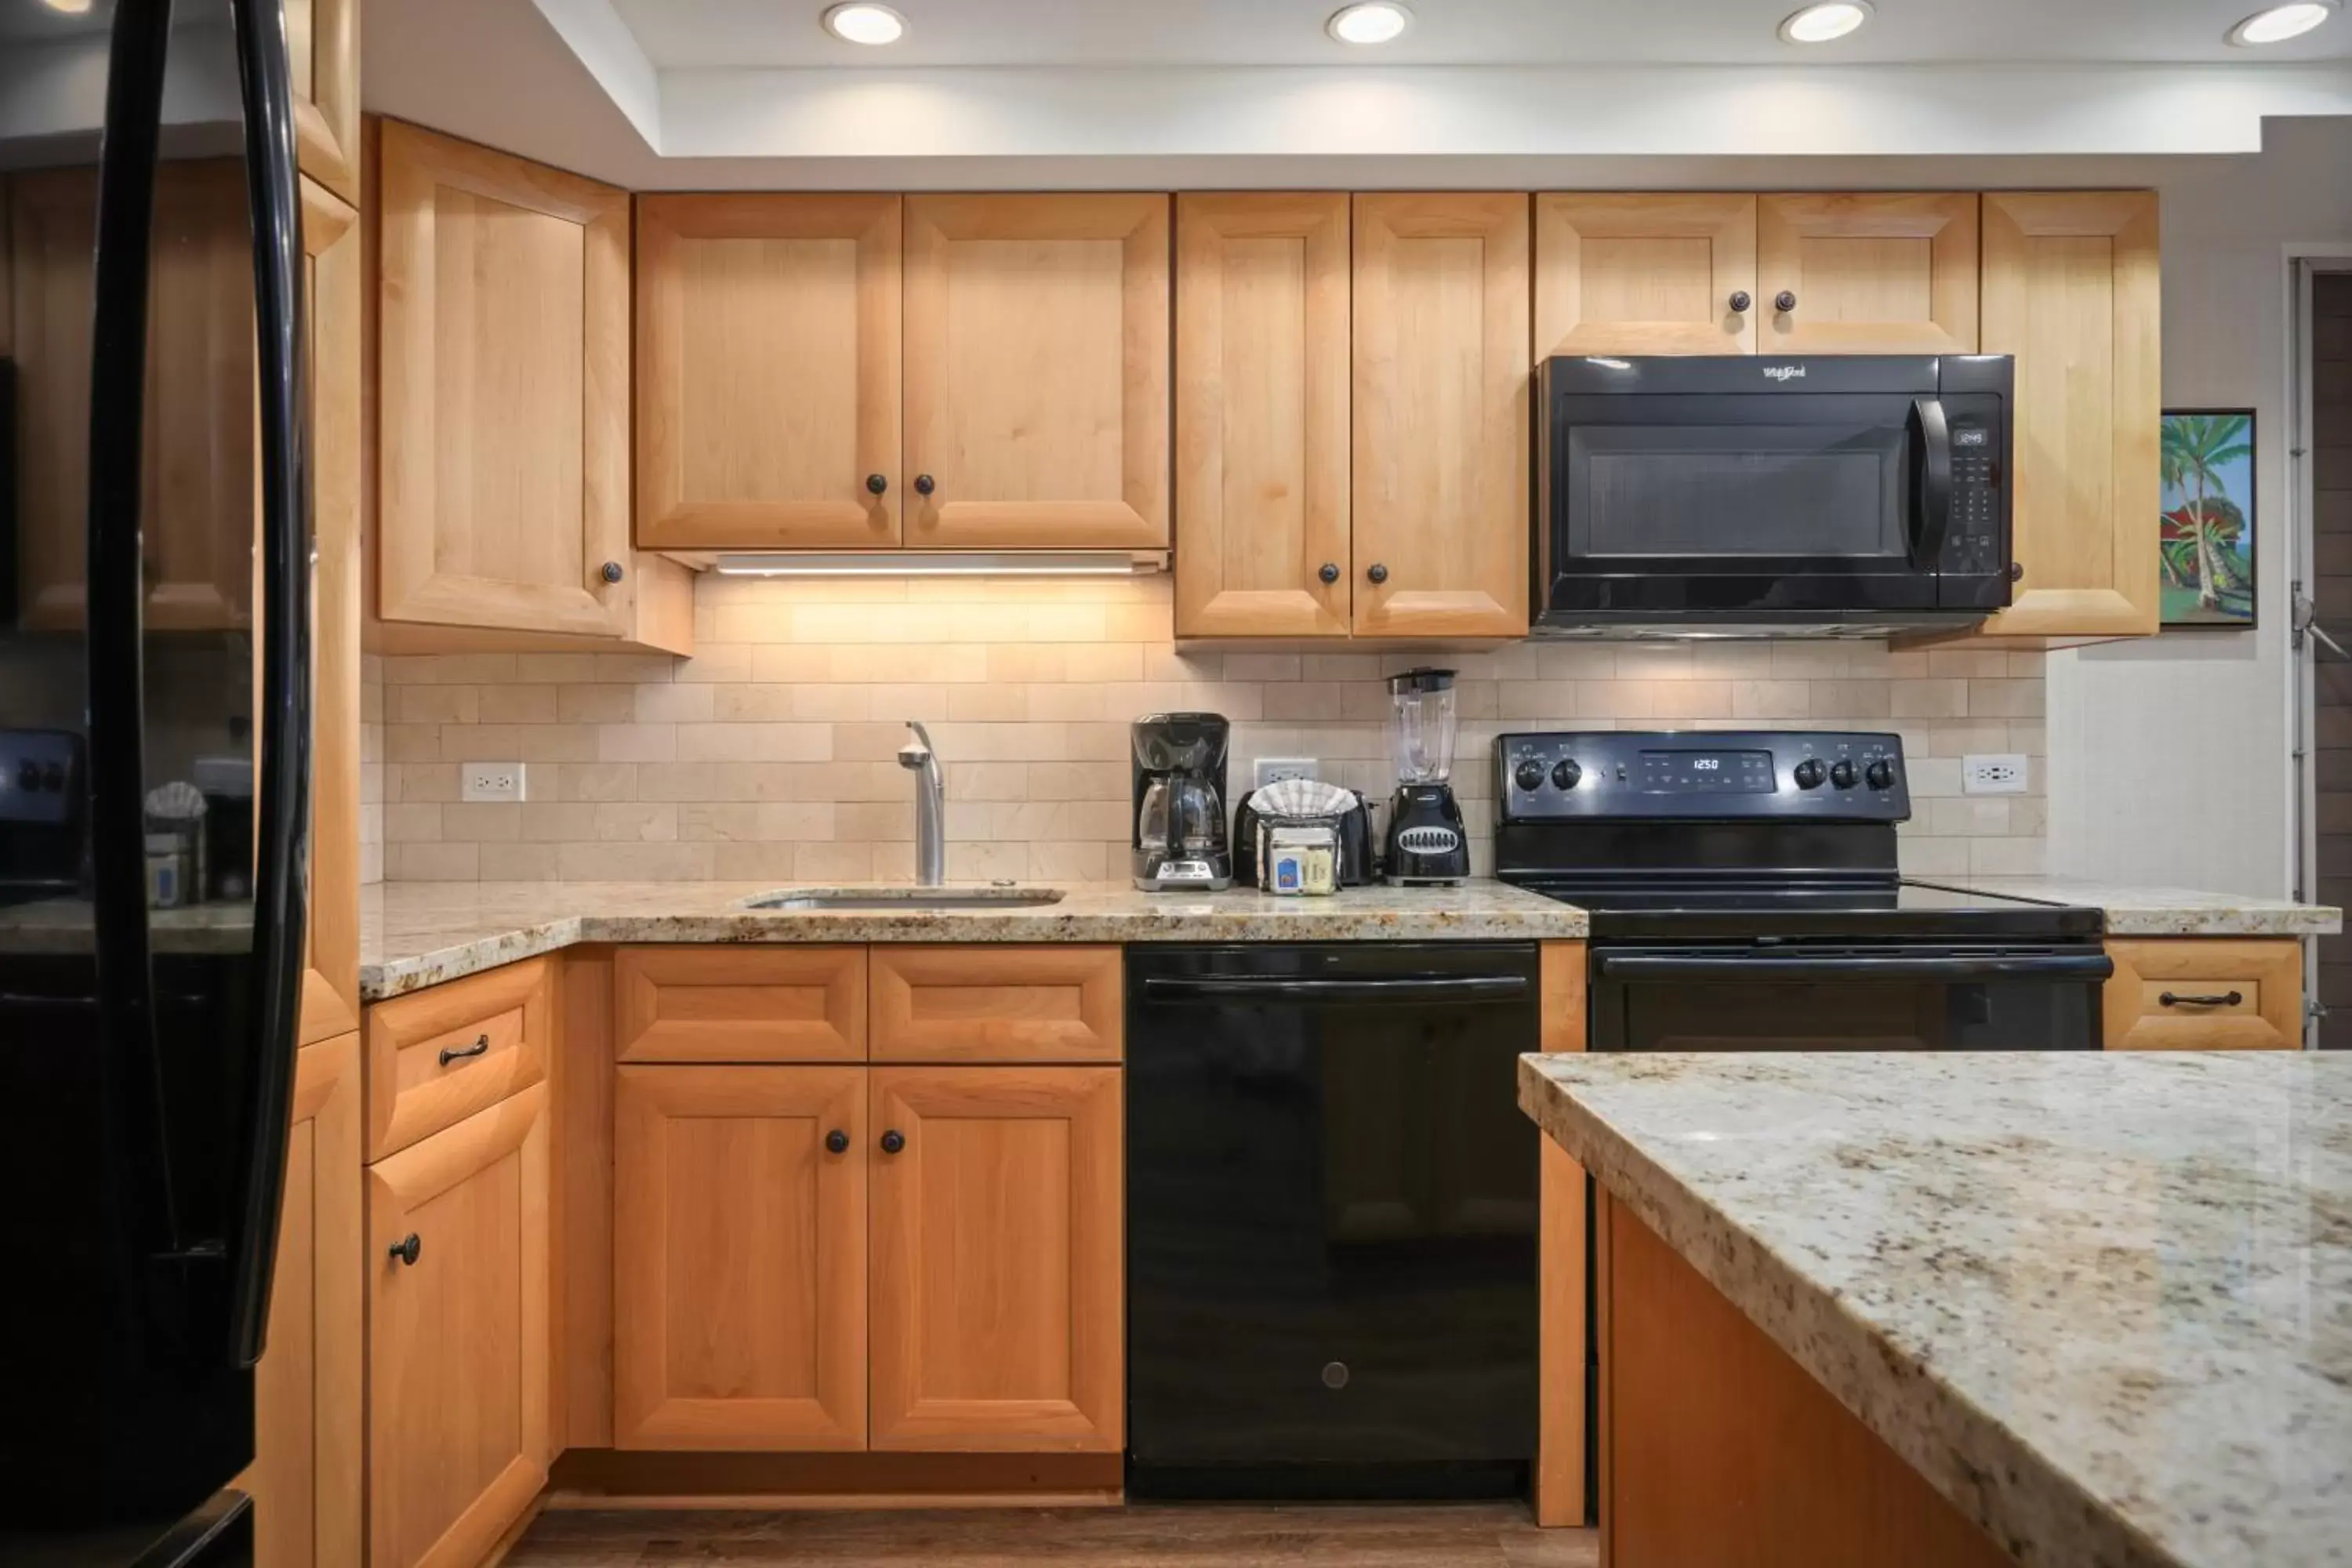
{"x":282,"y":831}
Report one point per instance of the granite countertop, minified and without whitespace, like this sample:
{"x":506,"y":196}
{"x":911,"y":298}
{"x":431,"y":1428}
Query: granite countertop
{"x":2103,"y":1303}
{"x":414,"y":934}
{"x":2161,"y":911}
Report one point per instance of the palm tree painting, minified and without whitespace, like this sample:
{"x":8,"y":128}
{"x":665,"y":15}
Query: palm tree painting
{"x":2206,"y":549}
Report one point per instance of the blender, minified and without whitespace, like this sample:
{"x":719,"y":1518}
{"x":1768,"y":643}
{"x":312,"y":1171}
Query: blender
{"x":1426,"y":843}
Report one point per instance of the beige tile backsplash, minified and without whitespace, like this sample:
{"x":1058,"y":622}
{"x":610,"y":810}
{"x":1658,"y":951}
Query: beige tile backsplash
{"x":769,"y":755}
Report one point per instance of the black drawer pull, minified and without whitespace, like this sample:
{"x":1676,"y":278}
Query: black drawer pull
{"x":459,"y":1053}
{"x":2227,"y":999}
{"x":407,"y":1248}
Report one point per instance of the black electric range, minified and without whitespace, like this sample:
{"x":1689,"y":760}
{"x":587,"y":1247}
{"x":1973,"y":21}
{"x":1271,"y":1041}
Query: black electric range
{"x":1744,"y":896}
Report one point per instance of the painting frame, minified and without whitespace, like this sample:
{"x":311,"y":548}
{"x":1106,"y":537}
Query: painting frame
{"x":2209,"y":457}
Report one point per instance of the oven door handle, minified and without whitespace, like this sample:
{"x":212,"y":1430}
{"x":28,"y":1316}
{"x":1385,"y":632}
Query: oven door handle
{"x":1425,"y":988}
{"x":2008,"y":966}
{"x":1931,"y":483}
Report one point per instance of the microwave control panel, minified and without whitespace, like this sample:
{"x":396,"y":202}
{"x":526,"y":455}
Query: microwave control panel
{"x":1788,"y":775}
{"x":1976,"y":542}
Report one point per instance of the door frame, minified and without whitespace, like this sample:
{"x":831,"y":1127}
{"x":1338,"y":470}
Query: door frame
{"x":2304,"y":261}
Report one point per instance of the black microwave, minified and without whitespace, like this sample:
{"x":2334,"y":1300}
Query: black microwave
{"x":1848,"y":493}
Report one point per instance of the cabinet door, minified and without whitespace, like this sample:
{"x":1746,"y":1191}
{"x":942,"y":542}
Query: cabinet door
{"x":2071,"y":288}
{"x":1262,"y":416}
{"x":1441,"y":415}
{"x":1870,"y":274}
{"x":738,"y":1258}
{"x":768,"y":371}
{"x":322,"y":47}
{"x":997,"y":1304}
{"x":1036,"y":369}
{"x":197,"y":475}
{"x":1635,"y":274}
{"x":305,"y":1477}
{"x":503,"y":391}
{"x":458,"y":1338}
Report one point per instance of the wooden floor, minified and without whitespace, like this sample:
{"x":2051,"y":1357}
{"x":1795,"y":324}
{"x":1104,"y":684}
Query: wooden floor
{"x":1464,"y":1535}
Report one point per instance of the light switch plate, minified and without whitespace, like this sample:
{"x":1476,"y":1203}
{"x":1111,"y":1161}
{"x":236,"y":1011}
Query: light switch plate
{"x":1993,"y":772}
{"x":1270,"y":770}
{"x":490,"y":780}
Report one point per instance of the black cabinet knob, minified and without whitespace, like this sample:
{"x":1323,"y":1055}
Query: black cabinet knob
{"x":876,"y":484}
{"x":611,"y":572}
{"x":1843,"y":774}
{"x":1810,"y":773}
{"x":2017,"y":571}
{"x":837,"y":1142}
{"x":1329,"y":572}
{"x":1740,"y":300}
{"x":1880,"y":775}
{"x":893,"y":1141}
{"x":1784,"y":301}
{"x":1377,"y":572}
{"x":925,"y":484}
{"x":407,"y":1248}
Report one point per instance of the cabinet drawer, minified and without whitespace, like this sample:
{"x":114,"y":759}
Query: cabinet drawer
{"x":740,"y":1004}
{"x":2198,"y":993}
{"x":1049,"y":1003}
{"x":437,"y":1056}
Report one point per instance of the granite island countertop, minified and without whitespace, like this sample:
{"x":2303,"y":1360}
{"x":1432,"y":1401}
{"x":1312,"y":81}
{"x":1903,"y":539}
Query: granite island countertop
{"x":2103,"y":1303}
{"x":414,"y":934}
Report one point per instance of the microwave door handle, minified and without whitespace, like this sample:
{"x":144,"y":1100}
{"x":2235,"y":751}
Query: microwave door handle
{"x":1932,"y":489}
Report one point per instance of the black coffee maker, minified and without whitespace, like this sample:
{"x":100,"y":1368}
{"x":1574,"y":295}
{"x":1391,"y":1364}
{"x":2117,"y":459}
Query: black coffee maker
{"x":1179,"y":837}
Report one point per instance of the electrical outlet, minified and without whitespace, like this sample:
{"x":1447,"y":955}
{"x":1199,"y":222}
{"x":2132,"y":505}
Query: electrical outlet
{"x":1272,"y":769}
{"x":490,"y":780}
{"x":2000,"y":773}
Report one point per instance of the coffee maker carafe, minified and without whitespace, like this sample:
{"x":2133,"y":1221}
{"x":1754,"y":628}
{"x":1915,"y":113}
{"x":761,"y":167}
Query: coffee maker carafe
{"x":1179,"y":802}
{"x":1427,"y":842}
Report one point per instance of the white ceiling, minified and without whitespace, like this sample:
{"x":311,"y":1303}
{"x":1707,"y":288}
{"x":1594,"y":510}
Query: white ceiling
{"x":684,"y":33}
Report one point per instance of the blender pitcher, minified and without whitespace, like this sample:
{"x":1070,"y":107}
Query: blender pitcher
{"x":1427,"y":842}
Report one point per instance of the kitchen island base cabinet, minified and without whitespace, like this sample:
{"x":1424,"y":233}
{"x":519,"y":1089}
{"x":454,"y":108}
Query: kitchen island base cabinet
{"x":1713,"y":1441}
{"x":457,"y":1336}
{"x":997,"y":1300}
{"x":739,"y":1255}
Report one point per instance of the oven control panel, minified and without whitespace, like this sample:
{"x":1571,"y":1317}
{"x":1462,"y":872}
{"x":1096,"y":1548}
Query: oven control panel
{"x":1790,"y":775}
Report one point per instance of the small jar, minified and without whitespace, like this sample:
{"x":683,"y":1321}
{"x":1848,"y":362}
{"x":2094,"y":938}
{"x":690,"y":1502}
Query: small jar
{"x":168,"y":870}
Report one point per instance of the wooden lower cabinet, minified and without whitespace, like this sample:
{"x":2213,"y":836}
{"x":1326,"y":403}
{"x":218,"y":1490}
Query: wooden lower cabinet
{"x":305,"y":1476}
{"x":997,"y":1307}
{"x":2204,"y":993}
{"x":739,"y":1253}
{"x":457,"y":1277}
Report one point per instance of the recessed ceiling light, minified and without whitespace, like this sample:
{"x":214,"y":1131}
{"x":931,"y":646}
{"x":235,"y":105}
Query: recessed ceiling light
{"x":1820,"y":24}
{"x":2281,"y":23}
{"x":1373,"y":22}
{"x":71,"y":7}
{"x":865,"y":23}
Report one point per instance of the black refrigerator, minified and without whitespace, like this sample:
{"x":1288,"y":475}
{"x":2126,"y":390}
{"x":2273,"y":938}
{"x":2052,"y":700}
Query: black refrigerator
{"x":154,"y":716}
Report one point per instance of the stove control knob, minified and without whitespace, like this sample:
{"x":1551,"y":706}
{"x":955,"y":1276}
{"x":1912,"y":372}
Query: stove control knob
{"x":1529,"y":775}
{"x":1565,"y":773}
{"x":1843,"y":774}
{"x":1880,"y":773}
{"x":28,"y":775}
{"x":1810,"y":773}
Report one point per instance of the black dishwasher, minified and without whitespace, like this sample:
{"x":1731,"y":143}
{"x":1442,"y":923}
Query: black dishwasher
{"x":1331,"y":1220}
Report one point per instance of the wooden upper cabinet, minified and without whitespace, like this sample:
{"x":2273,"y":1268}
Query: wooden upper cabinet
{"x":997,"y":1305}
{"x":1869,"y":274}
{"x":322,"y":46}
{"x":197,"y":473}
{"x":2070,"y":287}
{"x":1037,"y":372}
{"x":738,"y":1252}
{"x":768,"y":371}
{"x":457,"y":1336}
{"x":1620,"y":273}
{"x":1261,"y":384}
{"x":503,"y":391}
{"x":1441,"y":415}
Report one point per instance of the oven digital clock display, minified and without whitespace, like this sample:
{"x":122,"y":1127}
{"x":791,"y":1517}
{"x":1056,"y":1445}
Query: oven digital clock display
{"x":1706,"y":773}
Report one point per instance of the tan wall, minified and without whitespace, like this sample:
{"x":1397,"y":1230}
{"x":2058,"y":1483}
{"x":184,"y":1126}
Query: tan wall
{"x":768,"y":756}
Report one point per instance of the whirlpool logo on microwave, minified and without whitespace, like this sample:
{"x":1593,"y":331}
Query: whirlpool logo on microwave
{"x":1784,"y":373}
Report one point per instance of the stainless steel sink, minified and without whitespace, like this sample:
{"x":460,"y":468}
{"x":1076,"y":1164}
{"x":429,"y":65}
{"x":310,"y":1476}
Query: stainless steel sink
{"x":907,"y":898}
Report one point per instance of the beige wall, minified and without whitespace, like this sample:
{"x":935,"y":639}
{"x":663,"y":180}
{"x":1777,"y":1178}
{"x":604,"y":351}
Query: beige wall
{"x":768,"y":756}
